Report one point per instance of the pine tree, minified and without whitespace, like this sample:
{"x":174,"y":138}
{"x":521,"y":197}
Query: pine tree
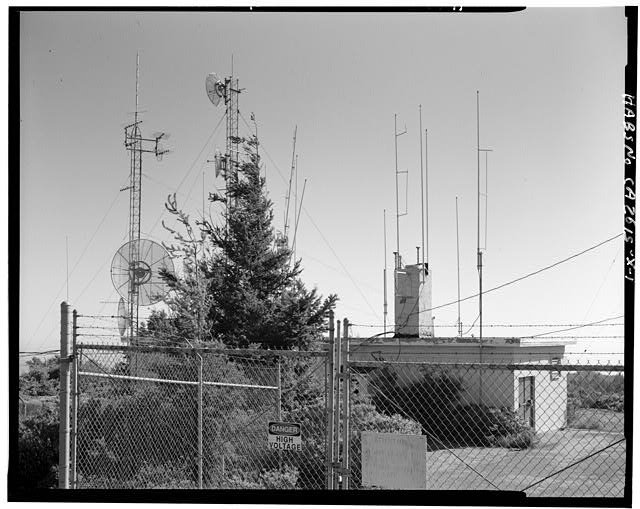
{"x":238,"y":287}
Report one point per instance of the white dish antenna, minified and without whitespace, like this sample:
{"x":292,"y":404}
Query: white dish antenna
{"x":215,"y":88}
{"x":124,"y":320}
{"x":141,"y":275}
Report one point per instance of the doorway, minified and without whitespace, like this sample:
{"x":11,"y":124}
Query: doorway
{"x":526,"y":400}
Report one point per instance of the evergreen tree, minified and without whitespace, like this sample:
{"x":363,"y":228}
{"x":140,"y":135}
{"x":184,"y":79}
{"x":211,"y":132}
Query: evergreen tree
{"x":237,"y":286}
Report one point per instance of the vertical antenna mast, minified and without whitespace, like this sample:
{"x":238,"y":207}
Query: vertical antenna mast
{"x":458,"y":257}
{"x":295,"y":227}
{"x":384,"y":214}
{"x":421,"y":188}
{"x":67,"y":250}
{"x":397,"y":134}
{"x":288,"y":197}
{"x":486,"y":195}
{"x":478,"y":200}
{"x":426,"y":191}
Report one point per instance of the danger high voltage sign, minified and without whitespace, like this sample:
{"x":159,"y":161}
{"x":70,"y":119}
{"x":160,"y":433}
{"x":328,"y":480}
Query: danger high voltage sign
{"x":285,"y":436}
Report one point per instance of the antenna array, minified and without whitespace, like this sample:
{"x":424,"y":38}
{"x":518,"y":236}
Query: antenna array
{"x":137,"y":269}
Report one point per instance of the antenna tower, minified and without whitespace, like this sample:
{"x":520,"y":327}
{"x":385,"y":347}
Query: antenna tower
{"x":136,"y":145}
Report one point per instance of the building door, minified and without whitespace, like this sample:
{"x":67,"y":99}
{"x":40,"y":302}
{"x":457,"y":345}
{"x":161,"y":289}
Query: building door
{"x":526,"y":400}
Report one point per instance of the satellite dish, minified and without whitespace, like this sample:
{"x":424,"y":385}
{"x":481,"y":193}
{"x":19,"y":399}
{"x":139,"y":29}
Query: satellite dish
{"x":136,"y":268}
{"x":215,"y":88}
{"x":124,"y":320}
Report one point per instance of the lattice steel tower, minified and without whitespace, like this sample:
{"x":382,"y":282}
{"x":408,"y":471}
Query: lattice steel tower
{"x":136,"y":145}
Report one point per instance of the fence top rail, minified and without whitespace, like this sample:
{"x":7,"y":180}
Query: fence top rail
{"x":503,"y":366}
{"x":203,"y":350}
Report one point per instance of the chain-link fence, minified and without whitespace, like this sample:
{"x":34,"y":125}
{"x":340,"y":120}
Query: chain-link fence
{"x":163,"y":417}
{"x":547,"y":430}
{"x":174,"y":417}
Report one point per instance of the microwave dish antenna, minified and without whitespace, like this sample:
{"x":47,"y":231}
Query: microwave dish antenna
{"x":138,"y":279}
{"x":216,"y":89}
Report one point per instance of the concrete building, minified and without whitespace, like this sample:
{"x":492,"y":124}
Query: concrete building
{"x":493,"y":379}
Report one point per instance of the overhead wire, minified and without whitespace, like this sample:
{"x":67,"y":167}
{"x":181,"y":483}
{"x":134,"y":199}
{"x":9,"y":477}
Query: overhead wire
{"x":511,"y":324}
{"x":597,"y":323}
{"x":526,"y":275}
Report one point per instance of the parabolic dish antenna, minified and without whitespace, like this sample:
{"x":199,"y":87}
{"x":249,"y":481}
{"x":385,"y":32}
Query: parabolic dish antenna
{"x":124,"y":319}
{"x":215,"y":88}
{"x":142,"y":274}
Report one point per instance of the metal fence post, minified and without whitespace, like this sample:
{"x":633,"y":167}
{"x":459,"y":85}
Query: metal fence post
{"x":279,"y":384}
{"x":74,"y":405}
{"x":63,"y":433}
{"x":200,"y":405}
{"x":346,"y":442}
{"x":279,"y":403}
{"x":330,"y":375}
{"x":336,"y":410}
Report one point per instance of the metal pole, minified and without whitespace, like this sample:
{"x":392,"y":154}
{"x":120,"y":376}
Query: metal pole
{"x":279,"y":384}
{"x":458,"y":258}
{"x":479,"y":252}
{"x":385,"y":269}
{"x":330,"y":374}
{"x":395,"y":139}
{"x":346,"y":442}
{"x":200,"y":405}
{"x":425,"y":250}
{"x":421,"y":187}
{"x":74,"y":406}
{"x":336,"y":413}
{"x":63,"y":429}
{"x":279,"y":403}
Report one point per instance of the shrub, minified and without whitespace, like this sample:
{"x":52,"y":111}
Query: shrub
{"x":37,"y":452}
{"x":284,"y":479}
{"x":433,"y":400}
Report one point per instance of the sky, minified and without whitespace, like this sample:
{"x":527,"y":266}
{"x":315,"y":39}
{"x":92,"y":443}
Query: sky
{"x":550,"y":85}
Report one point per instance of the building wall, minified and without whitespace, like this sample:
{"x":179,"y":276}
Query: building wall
{"x":488,"y":386}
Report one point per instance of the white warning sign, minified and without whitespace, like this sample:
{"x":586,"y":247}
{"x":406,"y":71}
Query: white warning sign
{"x":285,"y":436}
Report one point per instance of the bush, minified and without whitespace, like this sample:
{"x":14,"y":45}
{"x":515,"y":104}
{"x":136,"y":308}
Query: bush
{"x":166,"y":476}
{"x":37,"y":452}
{"x":285,"y":479}
{"x":434,"y":402}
